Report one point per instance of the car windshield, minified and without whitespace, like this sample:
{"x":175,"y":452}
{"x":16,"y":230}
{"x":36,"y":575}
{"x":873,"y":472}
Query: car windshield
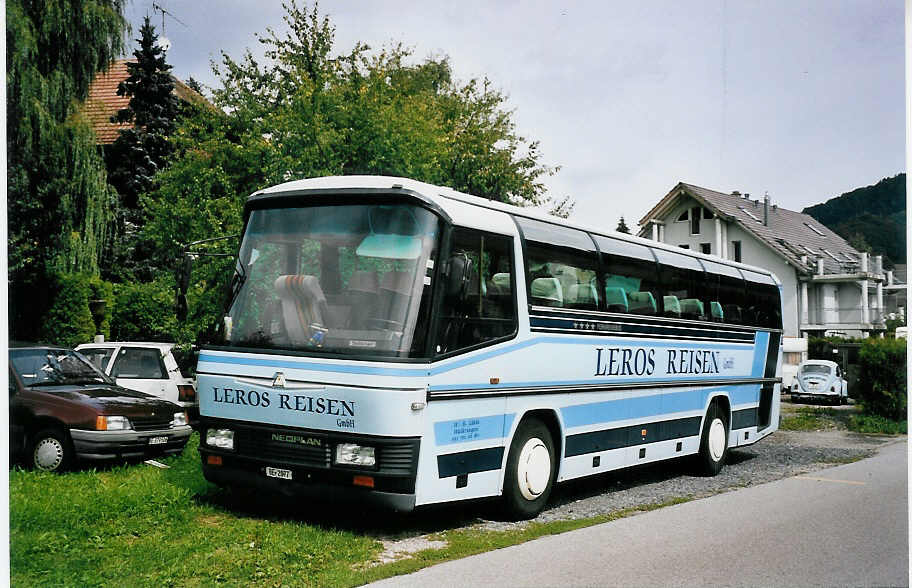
{"x":99,"y":356}
{"x":816,"y":370}
{"x":52,"y":367}
{"x":352,"y":279}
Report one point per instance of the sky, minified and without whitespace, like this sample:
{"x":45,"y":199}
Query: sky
{"x":803,"y":100}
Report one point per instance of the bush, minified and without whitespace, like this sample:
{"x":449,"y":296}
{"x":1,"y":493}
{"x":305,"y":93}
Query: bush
{"x":144,"y":312}
{"x":881,"y":384}
{"x":822,"y":347}
{"x":68,"y":321}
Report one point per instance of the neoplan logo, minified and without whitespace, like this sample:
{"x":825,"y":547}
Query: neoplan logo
{"x":297,"y":440}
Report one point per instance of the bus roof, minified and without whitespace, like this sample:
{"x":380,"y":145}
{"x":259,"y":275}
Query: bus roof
{"x":453,"y":203}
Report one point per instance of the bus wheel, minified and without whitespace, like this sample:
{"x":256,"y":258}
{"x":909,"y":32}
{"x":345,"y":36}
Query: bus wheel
{"x":713,"y":441}
{"x":530,"y":470}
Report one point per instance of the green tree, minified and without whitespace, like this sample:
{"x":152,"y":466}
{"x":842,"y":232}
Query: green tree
{"x":57,"y":193}
{"x":308,"y":111}
{"x":140,"y":151}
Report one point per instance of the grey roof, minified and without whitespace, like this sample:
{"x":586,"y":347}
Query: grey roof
{"x":791,"y":234}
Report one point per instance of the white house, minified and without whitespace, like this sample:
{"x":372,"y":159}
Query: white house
{"x":829,"y":288}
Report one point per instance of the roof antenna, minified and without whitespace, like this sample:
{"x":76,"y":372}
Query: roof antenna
{"x":163,"y":41}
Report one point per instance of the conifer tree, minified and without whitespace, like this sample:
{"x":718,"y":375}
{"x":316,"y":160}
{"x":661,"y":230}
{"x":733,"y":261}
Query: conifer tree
{"x":622,"y":227}
{"x":141,"y":150}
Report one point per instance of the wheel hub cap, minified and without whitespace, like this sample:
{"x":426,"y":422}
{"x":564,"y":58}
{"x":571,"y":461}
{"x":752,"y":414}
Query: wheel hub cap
{"x":48,"y":454}
{"x":534,"y":469}
{"x":716,"y":439}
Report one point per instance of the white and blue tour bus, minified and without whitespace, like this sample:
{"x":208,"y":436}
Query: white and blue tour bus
{"x":394,"y":341}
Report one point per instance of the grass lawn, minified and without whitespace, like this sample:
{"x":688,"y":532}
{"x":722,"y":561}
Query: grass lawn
{"x":138,"y":525}
{"x":812,"y":418}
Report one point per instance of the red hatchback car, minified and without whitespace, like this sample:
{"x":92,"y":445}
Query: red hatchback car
{"x":62,"y":409}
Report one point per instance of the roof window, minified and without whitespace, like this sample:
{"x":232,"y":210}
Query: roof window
{"x":815,"y":229}
{"x":747,"y":212}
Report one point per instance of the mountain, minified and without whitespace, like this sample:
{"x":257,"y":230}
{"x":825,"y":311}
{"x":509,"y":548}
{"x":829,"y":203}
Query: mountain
{"x":873,"y":215}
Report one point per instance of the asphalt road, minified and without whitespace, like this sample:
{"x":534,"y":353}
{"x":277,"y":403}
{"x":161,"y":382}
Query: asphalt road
{"x":843,"y":526}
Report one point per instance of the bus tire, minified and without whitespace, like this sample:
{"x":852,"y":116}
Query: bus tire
{"x":51,"y":451}
{"x":530,"y":471}
{"x":713,"y":441}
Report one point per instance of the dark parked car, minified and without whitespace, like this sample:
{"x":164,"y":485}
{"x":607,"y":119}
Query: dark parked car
{"x":62,"y":408}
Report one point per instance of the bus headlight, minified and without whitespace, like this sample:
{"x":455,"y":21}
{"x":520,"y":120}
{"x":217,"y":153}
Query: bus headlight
{"x":357,"y":455}
{"x":220,"y":438}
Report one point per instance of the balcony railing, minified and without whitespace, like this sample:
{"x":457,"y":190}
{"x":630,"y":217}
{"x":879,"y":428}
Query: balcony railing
{"x":845,"y":316}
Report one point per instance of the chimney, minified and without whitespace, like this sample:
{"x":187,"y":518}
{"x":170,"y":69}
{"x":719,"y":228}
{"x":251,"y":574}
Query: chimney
{"x":864,"y":262}
{"x":819,"y":266}
{"x":889,"y":277}
{"x":747,"y":196}
{"x":766,"y":206}
{"x":736,"y":193}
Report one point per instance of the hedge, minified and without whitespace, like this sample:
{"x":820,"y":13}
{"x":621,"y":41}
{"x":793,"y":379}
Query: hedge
{"x":881,"y":384}
{"x":68,"y":320}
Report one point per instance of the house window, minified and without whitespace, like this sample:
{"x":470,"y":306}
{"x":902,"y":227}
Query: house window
{"x":684,"y":217}
{"x":695,"y":220}
{"x":707,"y":213}
{"x":736,"y":250}
{"x":706,"y":248}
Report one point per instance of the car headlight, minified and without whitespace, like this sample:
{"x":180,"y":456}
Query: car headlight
{"x":358,"y":455}
{"x":180,"y":419}
{"x":112,"y":423}
{"x":220,"y":438}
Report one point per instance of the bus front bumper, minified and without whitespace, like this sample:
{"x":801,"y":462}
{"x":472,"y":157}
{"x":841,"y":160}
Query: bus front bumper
{"x":226,"y":475}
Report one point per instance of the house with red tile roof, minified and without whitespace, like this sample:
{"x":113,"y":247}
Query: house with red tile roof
{"x":103,"y":102}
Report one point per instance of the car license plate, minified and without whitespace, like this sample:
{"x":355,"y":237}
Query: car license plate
{"x":812,"y":386}
{"x":157,"y":440}
{"x":278,"y":473}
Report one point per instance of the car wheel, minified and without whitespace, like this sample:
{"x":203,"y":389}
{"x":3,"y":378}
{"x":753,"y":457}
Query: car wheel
{"x":713,"y":441}
{"x":530,"y":470}
{"x":51,"y":451}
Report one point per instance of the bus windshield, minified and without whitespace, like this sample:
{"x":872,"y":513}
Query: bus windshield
{"x":350,"y":279}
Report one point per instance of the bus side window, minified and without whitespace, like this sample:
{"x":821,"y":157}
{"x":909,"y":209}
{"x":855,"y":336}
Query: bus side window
{"x":683,"y":278}
{"x":562,"y":266}
{"x":726,"y":292}
{"x":484,"y":308}
{"x":763,"y":301}
{"x":631,"y":277}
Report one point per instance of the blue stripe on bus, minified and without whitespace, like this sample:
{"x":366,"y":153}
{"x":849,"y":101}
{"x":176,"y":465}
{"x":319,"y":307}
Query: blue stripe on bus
{"x":650,"y":406}
{"x":551,"y":383}
{"x":473,"y":429}
{"x":423,"y":371}
{"x":760,"y":346}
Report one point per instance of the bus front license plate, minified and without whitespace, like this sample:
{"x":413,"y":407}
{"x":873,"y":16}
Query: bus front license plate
{"x":278,"y":473}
